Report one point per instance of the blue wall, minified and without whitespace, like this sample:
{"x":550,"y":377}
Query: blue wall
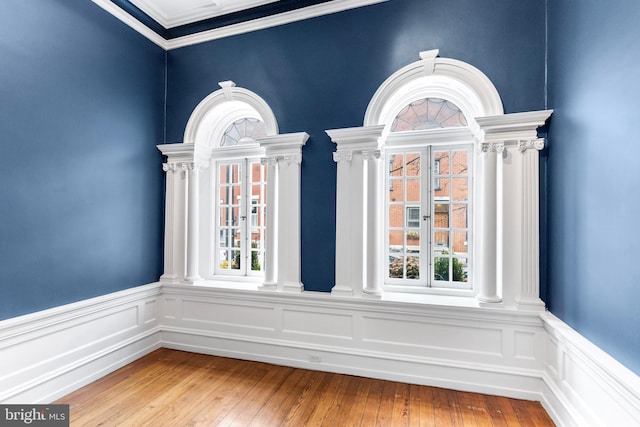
{"x":593,"y":180}
{"x":81,"y":193}
{"x":321,"y":73}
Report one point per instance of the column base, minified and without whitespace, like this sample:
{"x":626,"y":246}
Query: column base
{"x":530,"y":304}
{"x":373,"y":294}
{"x":489,"y":301}
{"x":342,"y":291}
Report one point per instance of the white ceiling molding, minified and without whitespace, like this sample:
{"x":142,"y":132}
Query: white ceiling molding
{"x":132,"y":22}
{"x":171,"y":13}
{"x":234,"y":29}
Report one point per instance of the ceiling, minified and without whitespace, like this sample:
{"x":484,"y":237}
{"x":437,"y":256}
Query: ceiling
{"x":173,"y":13}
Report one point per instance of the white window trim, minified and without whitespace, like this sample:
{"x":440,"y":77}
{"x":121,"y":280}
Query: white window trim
{"x":188,"y":201}
{"x":418,"y":141}
{"x":506,"y":219}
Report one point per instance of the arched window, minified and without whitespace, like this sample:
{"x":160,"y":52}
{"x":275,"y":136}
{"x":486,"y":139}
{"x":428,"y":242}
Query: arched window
{"x":432,"y":198}
{"x":240,"y":202}
{"x":239,"y":179}
{"x":428,"y":113}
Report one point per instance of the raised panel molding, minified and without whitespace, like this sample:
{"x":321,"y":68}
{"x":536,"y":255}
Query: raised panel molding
{"x":519,"y":354}
{"x":48,"y":354}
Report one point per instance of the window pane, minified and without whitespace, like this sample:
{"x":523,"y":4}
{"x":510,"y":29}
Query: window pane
{"x":460,"y":165}
{"x":441,"y":240}
{"x":413,"y":242}
{"x":460,"y":270}
{"x":225,"y":260}
{"x":243,"y":131}
{"x":235,"y":264}
{"x":441,"y":215}
{"x":413,"y":190}
{"x":256,"y":260}
{"x":442,"y":158}
{"x":396,"y":216}
{"x":412,"y":164}
{"x":396,"y":267}
{"x":460,"y":189}
{"x":460,"y":242}
{"x":413,"y":267}
{"x":441,"y":191}
{"x":441,"y":269}
{"x":396,"y":165}
{"x":396,"y":241}
{"x":396,"y":190}
{"x":459,"y":216}
{"x":428,"y":113}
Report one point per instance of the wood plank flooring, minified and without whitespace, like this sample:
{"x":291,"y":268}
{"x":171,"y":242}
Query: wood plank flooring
{"x":175,"y":388}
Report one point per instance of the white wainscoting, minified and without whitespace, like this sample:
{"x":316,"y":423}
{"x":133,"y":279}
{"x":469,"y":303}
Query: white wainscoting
{"x":485,"y":350}
{"x":584,"y":386}
{"x":518,"y":354}
{"x":48,"y":354}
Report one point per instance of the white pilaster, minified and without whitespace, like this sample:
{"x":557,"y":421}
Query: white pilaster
{"x":289,"y":234}
{"x":529,"y":292}
{"x":517,"y":241}
{"x":356,"y":261}
{"x":283,"y":158}
{"x":373,"y":225}
{"x":271,"y":258}
{"x":488,"y":291}
{"x":193,"y":221}
{"x":172,"y":272}
{"x":175,"y":239}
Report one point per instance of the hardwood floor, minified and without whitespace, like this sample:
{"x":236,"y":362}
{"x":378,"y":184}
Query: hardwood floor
{"x":175,"y":388}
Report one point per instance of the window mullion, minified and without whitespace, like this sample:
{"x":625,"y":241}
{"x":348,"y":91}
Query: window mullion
{"x":427,"y":217}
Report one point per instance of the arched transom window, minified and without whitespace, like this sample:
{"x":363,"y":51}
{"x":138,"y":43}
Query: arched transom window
{"x":428,"y":113}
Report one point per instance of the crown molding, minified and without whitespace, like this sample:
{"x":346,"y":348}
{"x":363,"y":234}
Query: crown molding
{"x":132,"y":22}
{"x":234,"y":29}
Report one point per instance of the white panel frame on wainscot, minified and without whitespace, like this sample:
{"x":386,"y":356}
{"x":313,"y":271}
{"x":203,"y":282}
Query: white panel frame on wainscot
{"x":439,"y":342}
{"x":584,"y":386}
{"x":355,"y":336}
{"x":48,"y":354}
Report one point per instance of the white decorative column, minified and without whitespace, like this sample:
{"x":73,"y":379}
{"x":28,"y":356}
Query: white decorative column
{"x":517,"y":202}
{"x":283,"y":154}
{"x":289,"y":232}
{"x":178,"y":155}
{"x":271,"y":247}
{"x":193,"y":221}
{"x":528,"y":297}
{"x":355,"y":259}
{"x":488,"y":291}
{"x":172,"y":272}
{"x":373,"y":225}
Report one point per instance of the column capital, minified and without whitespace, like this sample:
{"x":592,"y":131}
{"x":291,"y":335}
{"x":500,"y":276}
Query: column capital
{"x":169,"y":167}
{"x":371,"y":154}
{"x":492,"y":147}
{"x":529,"y":144}
{"x":342,"y":156}
{"x":293,"y":158}
{"x":269,"y":161}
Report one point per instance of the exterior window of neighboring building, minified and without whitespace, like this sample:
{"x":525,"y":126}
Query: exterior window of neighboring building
{"x":432,"y":249}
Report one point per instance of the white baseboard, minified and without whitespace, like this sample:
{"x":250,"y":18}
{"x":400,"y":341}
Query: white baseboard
{"x":48,"y":354}
{"x":511,"y":353}
{"x":584,"y":386}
